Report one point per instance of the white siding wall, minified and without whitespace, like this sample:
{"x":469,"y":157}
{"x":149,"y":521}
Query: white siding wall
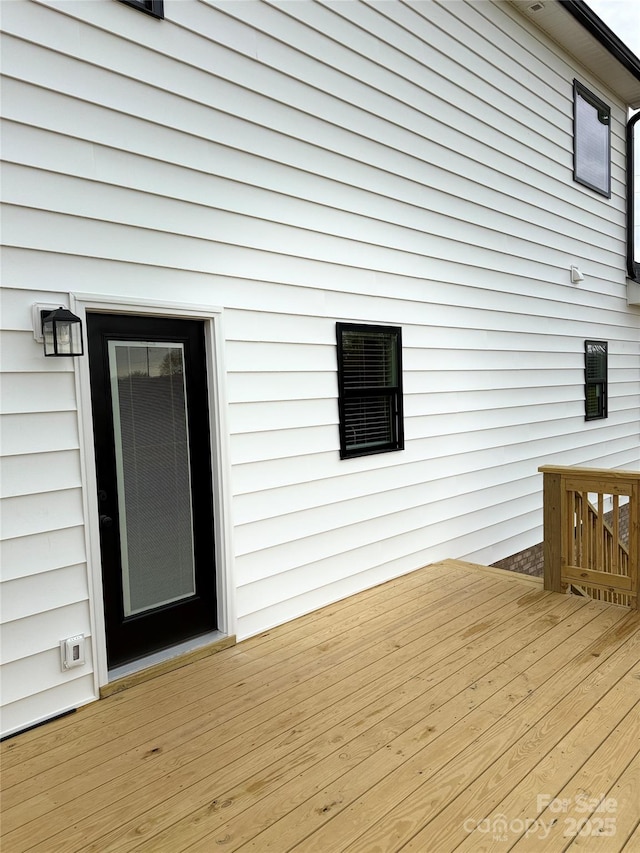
{"x":43,"y":590}
{"x":299,"y":164}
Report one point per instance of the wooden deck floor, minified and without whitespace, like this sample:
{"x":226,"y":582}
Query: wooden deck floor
{"x":452,"y":709}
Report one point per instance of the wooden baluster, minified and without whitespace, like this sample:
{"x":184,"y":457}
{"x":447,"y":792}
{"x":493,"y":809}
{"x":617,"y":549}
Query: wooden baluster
{"x":587,"y":562}
{"x":615,"y":526}
{"x":599,"y":554}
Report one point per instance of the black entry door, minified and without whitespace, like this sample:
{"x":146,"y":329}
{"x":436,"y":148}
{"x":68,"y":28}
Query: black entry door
{"x":153,"y":458}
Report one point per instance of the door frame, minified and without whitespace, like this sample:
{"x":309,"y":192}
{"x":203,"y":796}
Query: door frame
{"x":82,"y":304}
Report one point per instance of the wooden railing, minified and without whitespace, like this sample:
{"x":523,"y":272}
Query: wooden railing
{"x":586,"y":548}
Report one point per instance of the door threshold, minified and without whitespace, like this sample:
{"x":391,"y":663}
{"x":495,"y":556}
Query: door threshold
{"x":146,"y":668}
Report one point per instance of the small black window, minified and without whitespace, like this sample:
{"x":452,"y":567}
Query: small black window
{"x":151,"y":7}
{"x":595,"y":380}
{"x":370,"y":389}
{"x":591,"y":140}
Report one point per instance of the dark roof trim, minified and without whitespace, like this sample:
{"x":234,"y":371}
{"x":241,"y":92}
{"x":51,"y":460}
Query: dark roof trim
{"x":633,"y":267}
{"x":597,"y":27}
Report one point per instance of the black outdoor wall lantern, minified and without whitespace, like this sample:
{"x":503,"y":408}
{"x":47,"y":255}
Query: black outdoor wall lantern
{"x":62,"y":333}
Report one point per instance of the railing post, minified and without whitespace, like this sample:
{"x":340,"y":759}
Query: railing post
{"x":634,"y":539}
{"x":552,"y":488}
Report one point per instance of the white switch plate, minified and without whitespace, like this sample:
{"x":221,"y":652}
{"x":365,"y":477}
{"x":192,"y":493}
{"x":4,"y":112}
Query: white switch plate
{"x":72,"y":652}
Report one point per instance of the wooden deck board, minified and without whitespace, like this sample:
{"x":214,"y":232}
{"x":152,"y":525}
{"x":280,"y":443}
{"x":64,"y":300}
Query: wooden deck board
{"x":556,"y":770}
{"x":240,"y":691}
{"x":400,"y":795}
{"x":289,"y":640}
{"x":252,"y":657}
{"x":173,"y":693}
{"x":382,"y":722}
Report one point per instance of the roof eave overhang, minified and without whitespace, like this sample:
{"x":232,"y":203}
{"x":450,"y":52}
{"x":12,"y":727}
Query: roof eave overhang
{"x":577,"y":29}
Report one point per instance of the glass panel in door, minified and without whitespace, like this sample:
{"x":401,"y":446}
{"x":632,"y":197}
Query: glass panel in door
{"x":148,"y":397}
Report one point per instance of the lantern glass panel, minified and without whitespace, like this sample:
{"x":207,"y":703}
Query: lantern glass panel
{"x":62,"y":333}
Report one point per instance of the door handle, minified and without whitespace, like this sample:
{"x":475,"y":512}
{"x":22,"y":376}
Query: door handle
{"x":106,"y":521}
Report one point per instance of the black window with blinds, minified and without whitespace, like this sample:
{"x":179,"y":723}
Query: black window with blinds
{"x":591,"y":140}
{"x":595,"y":375}
{"x":370,"y":389}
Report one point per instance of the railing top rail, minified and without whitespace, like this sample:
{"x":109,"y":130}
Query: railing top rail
{"x":590,"y":473}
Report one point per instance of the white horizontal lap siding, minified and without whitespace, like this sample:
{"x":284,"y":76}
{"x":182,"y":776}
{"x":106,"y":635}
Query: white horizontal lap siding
{"x":302,"y":163}
{"x":40,"y":473}
{"x":423,"y":503}
{"x":43,"y":591}
{"x":416,"y":211}
{"x":26,"y":514}
{"x":413,"y":484}
{"x":76,"y":690}
{"x":42,"y":631}
{"x":376,"y":561}
{"x":26,"y":556}
{"x":37,"y":677}
{"x":425,"y":459}
{"x":453,"y":86}
{"x":28,"y":392}
{"x":33,"y":595}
